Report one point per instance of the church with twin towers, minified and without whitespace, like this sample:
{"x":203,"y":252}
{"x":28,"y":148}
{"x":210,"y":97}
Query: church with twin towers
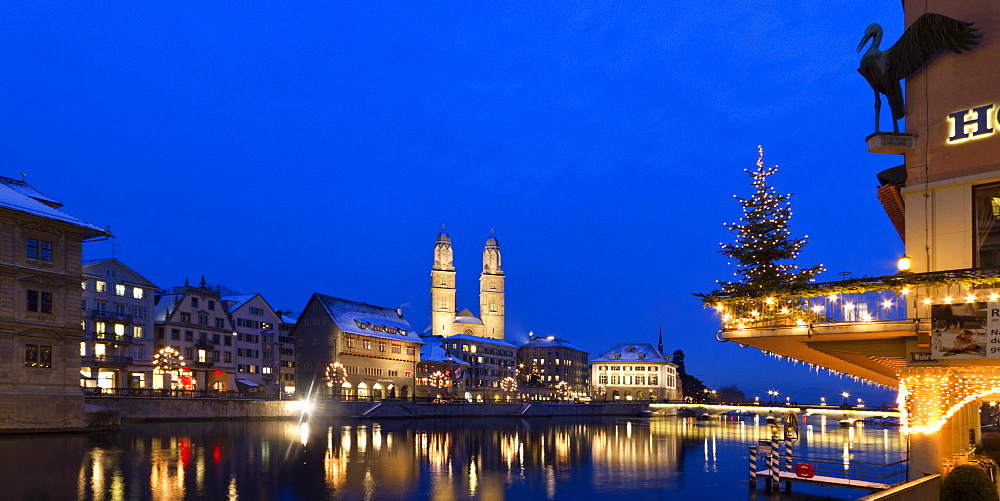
{"x":445,"y":322}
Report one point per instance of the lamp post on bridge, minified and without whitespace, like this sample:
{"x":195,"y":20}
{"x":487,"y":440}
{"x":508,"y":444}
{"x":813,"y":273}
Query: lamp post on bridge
{"x":773,"y":394}
{"x":845,"y":395}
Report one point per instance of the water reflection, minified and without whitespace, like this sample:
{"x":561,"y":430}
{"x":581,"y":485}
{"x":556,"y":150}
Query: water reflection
{"x":437,"y":460}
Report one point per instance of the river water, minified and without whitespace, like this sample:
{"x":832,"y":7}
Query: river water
{"x":441,"y":459}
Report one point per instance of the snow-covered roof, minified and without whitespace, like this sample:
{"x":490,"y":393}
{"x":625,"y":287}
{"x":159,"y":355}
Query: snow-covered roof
{"x":632,"y":352}
{"x":164,"y":303}
{"x":28,"y":190}
{"x":478,"y":339}
{"x":466,"y":317}
{"x":17,"y":196}
{"x":368,"y":320}
{"x":434,"y":352}
{"x":235,"y":301}
{"x":549,"y":342}
{"x":287,"y":317}
{"x":135,"y":278}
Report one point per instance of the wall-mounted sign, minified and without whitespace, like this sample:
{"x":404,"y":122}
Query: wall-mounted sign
{"x":973,"y":123}
{"x":965,"y":330}
{"x":922,"y":357}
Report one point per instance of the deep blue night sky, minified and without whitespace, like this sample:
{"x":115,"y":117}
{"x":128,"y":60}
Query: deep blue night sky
{"x":288,"y":148}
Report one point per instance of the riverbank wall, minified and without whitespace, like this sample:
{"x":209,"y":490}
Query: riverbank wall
{"x":185,"y":409}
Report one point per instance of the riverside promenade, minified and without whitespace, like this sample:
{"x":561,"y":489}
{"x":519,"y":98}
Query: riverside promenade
{"x":134,"y":409}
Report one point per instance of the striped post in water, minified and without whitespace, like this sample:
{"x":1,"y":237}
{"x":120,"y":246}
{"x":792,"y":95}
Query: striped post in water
{"x":788,"y":462}
{"x":753,"y":468}
{"x":775,"y":463}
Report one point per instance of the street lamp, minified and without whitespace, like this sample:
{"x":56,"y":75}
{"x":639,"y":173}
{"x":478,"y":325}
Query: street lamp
{"x":773,"y":394}
{"x":822,"y":400}
{"x":845,"y":395}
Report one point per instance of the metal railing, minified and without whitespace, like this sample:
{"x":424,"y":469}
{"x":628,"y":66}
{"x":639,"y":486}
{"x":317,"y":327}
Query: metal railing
{"x":165,"y":393}
{"x":110,"y":336}
{"x":856,"y":471}
{"x":111,"y":315}
{"x":922,"y":489}
{"x":906,"y":297}
{"x":106,"y":359}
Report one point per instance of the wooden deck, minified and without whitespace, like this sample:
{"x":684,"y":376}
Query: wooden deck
{"x":828,"y":481}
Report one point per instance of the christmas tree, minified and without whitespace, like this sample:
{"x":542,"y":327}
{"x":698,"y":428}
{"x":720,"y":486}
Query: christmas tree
{"x":764,"y":249}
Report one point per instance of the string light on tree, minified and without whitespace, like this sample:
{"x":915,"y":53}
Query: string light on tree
{"x":508,"y":384}
{"x":764,"y":249}
{"x":437,"y":379}
{"x":335,"y":374}
{"x":167,"y":360}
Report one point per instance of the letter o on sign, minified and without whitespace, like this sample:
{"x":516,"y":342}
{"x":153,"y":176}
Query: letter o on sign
{"x":803,"y":470}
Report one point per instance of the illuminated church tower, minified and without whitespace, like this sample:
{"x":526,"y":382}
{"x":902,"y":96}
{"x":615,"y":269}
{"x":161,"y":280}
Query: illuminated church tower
{"x":491,"y":306}
{"x":445,"y":319}
{"x":443,"y":287}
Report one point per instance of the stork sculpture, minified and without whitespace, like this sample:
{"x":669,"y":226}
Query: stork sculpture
{"x":927,"y":35}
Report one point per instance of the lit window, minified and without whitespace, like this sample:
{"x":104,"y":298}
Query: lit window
{"x":119,"y":331}
{"x":102,"y":286}
{"x":202,"y":356}
{"x":37,"y":355}
{"x":137,"y":293}
{"x":137,"y":332}
{"x":100,"y":327}
{"x":83,"y":349}
{"x":120,"y":289}
{"x":83,"y":285}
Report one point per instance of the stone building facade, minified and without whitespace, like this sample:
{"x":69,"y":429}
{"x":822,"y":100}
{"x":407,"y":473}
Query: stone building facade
{"x":40,"y":331}
{"x":352,"y":350}
{"x":194,"y":322}
{"x":634,"y":371}
{"x":547,"y":361}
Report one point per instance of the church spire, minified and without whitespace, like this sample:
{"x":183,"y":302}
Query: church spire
{"x":659,"y":347}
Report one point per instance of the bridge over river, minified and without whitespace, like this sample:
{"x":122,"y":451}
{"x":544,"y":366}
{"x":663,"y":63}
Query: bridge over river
{"x":840,"y":413}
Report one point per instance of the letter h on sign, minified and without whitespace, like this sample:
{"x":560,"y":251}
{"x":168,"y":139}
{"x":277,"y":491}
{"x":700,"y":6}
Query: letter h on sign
{"x":982,"y":122}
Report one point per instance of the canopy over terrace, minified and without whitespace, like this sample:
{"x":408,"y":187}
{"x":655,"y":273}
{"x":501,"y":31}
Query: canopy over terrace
{"x":869,"y":328}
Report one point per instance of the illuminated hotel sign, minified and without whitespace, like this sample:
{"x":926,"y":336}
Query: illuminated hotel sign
{"x":972,"y":124}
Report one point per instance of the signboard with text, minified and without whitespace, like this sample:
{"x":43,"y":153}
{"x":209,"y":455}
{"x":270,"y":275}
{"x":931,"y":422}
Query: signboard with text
{"x":965,"y":331}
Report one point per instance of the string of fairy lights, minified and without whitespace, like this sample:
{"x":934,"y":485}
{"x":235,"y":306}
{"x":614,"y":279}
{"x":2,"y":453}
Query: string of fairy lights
{"x":772,"y":292}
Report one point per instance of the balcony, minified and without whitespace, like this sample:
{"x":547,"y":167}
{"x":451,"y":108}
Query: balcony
{"x":106,"y":360}
{"x":111,"y":337}
{"x":865,"y":327}
{"x":110,"y":315}
{"x":204,"y":344}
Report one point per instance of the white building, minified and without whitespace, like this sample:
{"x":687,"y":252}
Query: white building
{"x":634,"y":371}
{"x":257,"y":354}
{"x":117,"y":308}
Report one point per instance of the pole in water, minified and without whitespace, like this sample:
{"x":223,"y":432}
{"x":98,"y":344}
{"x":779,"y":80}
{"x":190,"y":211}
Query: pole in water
{"x":753,"y":468}
{"x":775,"y":463}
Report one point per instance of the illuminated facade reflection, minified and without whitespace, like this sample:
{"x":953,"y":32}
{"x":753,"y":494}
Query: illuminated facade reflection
{"x":430,"y":459}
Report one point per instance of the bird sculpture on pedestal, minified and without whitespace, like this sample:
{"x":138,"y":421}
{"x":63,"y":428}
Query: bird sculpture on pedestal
{"x":927,"y":35}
